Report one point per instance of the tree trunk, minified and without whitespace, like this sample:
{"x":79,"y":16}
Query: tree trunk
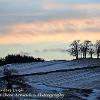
{"x":77,"y":55}
{"x":91,"y":55}
{"x":97,"y":55}
{"x":85,"y":55}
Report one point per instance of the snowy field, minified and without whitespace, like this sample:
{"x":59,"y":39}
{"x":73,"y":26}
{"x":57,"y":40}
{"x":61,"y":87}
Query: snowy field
{"x":58,"y":76}
{"x":48,"y":66}
{"x":60,"y":81}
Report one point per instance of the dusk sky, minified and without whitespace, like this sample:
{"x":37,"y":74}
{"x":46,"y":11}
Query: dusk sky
{"x":44,"y":28}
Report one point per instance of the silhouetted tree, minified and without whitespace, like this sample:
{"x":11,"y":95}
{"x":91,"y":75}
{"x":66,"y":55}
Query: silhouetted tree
{"x":97,"y":48}
{"x":9,"y":79}
{"x":21,"y":59}
{"x":1,"y":61}
{"x":85,"y":47}
{"x":91,"y":50}
{"x":74,"y":50}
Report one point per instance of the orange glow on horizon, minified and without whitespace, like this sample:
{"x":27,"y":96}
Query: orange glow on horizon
{"x":51,"y":31}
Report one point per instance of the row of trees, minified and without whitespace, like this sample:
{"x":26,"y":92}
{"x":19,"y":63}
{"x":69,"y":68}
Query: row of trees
{"x":19,"y":59}
{"x":82,"y":49}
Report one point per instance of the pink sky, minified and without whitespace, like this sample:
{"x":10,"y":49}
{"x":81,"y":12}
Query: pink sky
{"x":38,"y":24}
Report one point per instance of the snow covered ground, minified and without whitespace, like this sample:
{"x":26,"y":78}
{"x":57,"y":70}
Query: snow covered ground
{"x":85,"y":78}
{"x":58,"y":81}
{"x":48,"y":66}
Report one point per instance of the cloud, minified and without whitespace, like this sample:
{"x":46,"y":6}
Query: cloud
{"x":26,"y":11}
{"x":25,"y":21}
{"x":24,"y":53}
{"x":17,"y":12}
{"x":54,"y":50}
{"x":61,"y":50}
{"x":91,"y":29}
{"x":63,"y":6}
{"x":52,"y":31}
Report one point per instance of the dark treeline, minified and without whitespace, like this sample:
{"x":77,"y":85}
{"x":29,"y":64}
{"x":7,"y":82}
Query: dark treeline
{"x":84,"y":49}
{"x":19,"y":59}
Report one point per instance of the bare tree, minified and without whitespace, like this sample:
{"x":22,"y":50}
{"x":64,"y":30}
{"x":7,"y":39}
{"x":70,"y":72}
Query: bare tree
{"x":9,"y":79}
{"x":97,"y":48}
{"x":85,"y":47}
{"x":91,"y":50}
{"x":74,"y":50}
